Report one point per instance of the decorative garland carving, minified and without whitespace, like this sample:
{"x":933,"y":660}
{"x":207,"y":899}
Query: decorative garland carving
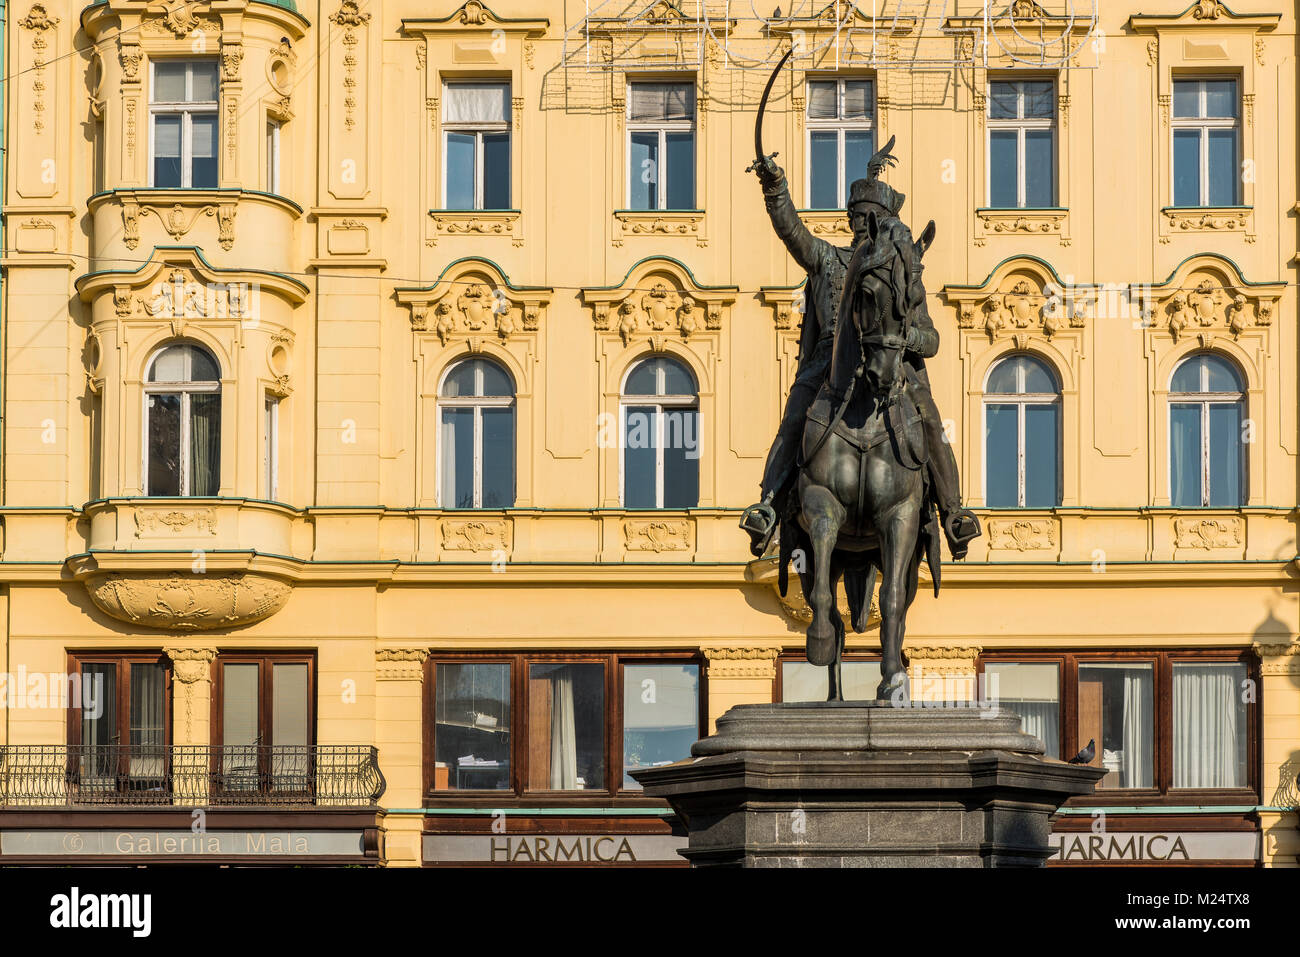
{"x":475,"y":535}
{"x":657,"y":536}
{"x":39,"y":22}
{"x":1022,"y":535}
{"x":176,"y":521}
{"x":187,"y":603}
{"x":1207,"y":533}
{"x":350,"y":17}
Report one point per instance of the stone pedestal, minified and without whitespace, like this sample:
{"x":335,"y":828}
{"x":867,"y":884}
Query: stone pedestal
{"x":867,"y":784}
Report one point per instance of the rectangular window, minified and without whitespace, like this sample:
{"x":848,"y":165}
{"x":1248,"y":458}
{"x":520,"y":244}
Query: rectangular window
{"x":271,"y":450}
{"x":1206,"y":141}
{"x":800,"y":681}
{"x":118,"y":726}
{"x":266,"y":724}
{"x":183,"y":124}
{"x":273,"y":156}
{"x":1022,"y":144}
{"x":661,"y":146}
{"x":476,"y":145}
{"x":1160,"y":722}
{"x":841,"y":138}
{"x":522,"y":723}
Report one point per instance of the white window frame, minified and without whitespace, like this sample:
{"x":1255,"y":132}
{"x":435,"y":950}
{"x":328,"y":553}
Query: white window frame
{"x":1204,"y":399}
{"x":478,"y":129}
{"x":1020,"y":399}
{"x":271,"y":450}
{"x":1204,"y":124}
{"x":663,"y":128}
{"x":1020,"y":124}
{"x":186,"y":109}
{"x":185,"y":389}
{"x":840,"y":127}
{"x":661,"y":404}
{"x":478,"y":403}
{"x":273,"y":155}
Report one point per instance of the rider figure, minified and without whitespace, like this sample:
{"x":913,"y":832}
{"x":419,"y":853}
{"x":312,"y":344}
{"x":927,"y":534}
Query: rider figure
{"x":826,"y":266}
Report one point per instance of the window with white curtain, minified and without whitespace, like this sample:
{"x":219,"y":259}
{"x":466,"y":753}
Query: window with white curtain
{"x":1022,"y":143}
{"x":1209,"y":726}
{"x":476,"y":407}
{"x":476,"y":145}
{"x":661,"y":145}
{"x":1033,"y":691}
{"x":182,"y":396}
{"x":121,"y":724}
{"x":841,"y":138}
{"x":1205,"y":134}
{"x":566,"y":731}
{"x":1022,"y":435}
{"x":1207,"y":409}
{"x":1117,"y":712}
{"x":266,"y":722}
{"x":183,"y":124}
{"x":661,"y":436}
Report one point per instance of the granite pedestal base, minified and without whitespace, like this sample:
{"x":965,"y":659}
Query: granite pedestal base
{"x":867,"y":784}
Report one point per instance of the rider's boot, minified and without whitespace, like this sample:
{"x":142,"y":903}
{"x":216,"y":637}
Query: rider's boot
{"x":759,"y":522}
{"x":960,"y":525}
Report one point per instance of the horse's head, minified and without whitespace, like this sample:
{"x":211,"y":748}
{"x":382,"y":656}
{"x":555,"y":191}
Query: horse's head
{"x":889,"y":306}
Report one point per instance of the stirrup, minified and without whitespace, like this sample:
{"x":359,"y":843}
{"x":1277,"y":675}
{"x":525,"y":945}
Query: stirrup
{"x":961,"y":527}
{"x":759,"y":522}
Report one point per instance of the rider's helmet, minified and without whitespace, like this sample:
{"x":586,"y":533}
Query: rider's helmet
{"x":871,"y":189}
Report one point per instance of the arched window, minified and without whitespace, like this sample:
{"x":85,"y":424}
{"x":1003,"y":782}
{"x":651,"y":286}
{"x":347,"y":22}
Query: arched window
{"x":1022,"y":435}
{"x":1206,"y":454}
{"x":182,"y":396}
{"x":477,"y":421}
{"x":661,"y":436}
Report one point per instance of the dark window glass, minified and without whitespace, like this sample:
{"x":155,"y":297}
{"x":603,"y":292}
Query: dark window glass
{"x":471,"y":734}
{"x":460,"y":170}
{"x":639,"y":457}
{"x":824,"y":161}
{"x":643,"y":173}
{"x":566,"y":727}
{"x":1117,"y":711}
{"x":1003,"y":169}
{"x":1042,"y":439}
{"x":164,"y":444}
{"x":496,"y":170}
{"x":1002,"y":466}
{"x":681,"y":170}
{"x":1185,"y":455}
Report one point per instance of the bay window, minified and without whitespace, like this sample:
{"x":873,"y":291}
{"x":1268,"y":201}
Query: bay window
{"x":183,"y":123}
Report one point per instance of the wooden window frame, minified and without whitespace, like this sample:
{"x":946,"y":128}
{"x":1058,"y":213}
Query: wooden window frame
{"x":265,"y":689}
{"x":1162,"y":793}
{"x":123,"y":660}
{"x":519,"y":791}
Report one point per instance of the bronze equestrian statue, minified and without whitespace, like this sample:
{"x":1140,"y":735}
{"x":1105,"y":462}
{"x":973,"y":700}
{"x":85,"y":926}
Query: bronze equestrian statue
{"x":860,"y":461}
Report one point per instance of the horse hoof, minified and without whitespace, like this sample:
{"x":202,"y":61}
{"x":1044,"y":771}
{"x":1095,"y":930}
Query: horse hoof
{"x":820,"y":650}
{"x":890,"y":687}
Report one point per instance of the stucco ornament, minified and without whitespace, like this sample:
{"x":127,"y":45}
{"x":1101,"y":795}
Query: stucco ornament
{"x":180,"y":602}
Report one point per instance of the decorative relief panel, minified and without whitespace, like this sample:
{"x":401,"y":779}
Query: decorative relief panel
{"x":153,"y":522}
{"x":476,"y":535}
{"x":478,"y":302}
{"x":652,"y":535}
{"x":661,"y":300}
{"x":400,"y":664}
{"x":1207,"y":533}
{"x":1024,"y":534}
{"x":741,"y":662}
{"x":659,"y":223}
{"x":1025,"y":301}
{"x":188,"y":602}
{"x":476,"y":222}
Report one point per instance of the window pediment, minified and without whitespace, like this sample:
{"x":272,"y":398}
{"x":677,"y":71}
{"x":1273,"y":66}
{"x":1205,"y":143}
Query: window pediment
{"x":657,"y":300}
{"x":1207,"y":294}
{"x":472,"y":300}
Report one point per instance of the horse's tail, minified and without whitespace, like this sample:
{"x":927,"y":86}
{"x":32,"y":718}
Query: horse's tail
{"x":859,"y":583}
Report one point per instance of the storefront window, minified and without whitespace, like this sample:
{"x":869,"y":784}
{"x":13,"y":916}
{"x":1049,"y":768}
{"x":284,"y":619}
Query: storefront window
{"x":472,"y":732}
{"x":661,"y":715}
{"x":566,"y":727}
{"x":801,"y":681}
{"x":1116,"y":711}
{"x":1209,"y":725}
{"x":1032,"y":691}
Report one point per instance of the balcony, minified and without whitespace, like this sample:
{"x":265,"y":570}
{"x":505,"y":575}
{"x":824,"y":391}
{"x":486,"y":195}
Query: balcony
{"x":263,"y":776}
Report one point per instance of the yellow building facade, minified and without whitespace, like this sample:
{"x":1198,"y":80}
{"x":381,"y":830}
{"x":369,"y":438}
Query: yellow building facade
{"x":383,"y":384}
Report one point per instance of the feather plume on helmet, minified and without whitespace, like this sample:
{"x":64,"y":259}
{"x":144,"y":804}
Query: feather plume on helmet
{"x":872,"y":189}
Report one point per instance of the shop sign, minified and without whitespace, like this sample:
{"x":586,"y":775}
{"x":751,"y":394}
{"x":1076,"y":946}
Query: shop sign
{"x":1172,"y":847}
{"x":552,"y":848}
{"x":181,"y":843}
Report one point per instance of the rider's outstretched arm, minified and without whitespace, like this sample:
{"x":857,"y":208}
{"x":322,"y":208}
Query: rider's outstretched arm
{"x":808,"y":251}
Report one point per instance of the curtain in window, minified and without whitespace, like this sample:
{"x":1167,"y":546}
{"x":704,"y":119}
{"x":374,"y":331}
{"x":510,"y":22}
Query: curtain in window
{"x":564,"y":732}
{"x":1042,"y":719}
{"x":1136,"y":766}
{"x":1207,"y":729}
{"x":649,"y":102}
{"x":147,"y":757}
{"x":476,"y":103}
{"x":99,"y":725}
{"x":205,"y":443}
{"x":822,"y":103}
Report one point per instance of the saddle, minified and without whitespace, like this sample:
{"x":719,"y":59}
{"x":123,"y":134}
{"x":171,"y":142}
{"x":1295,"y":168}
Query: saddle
{"x":900,"y":425}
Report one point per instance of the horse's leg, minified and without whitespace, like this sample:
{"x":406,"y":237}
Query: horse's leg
{"x":835,"y":682}
{"x":822,"y":515}
{"x":898,"y":530}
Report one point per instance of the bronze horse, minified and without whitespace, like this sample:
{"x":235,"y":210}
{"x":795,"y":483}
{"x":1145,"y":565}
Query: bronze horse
{"x":862,"y":499}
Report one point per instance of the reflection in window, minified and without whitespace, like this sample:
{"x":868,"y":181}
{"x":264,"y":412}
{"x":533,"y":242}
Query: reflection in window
{"x":477,"y":442}
{"x":1205,"y":142}
{"x":840,"y":138}
{"x":1022,"y":144}
{"x":1209,"y":725}
{"x":661,"y":715}
{"x":1206,"y":454}
{"x":183,"y":423}
{"x":661,"y":436}
{"x":1116,"y":710}
{"x":183,"y":113}
{"x":471,"y":737}
{"x":566,"y":727}
{"x":1032,"y":691}
{"x":1022,"y":435}
{"x":801,"y":681}
{"x":661,"y":146}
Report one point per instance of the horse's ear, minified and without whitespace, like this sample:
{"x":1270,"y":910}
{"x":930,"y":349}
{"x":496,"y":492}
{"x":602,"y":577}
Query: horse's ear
{"x":927,"y":237}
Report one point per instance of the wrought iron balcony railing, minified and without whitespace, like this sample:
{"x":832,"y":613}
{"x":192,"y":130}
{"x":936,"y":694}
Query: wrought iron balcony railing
{"x":190,"y":775}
